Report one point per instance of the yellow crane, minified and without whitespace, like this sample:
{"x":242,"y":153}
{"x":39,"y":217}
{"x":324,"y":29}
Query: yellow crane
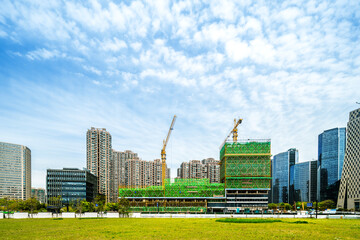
{"x":233,"y":131}
{"x":163,"y":152}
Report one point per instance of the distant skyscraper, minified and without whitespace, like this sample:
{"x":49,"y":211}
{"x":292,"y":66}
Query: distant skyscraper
{"x":283,"y":176}
{"x":331,"y":152}
{"x":349,"y":192}
{"x":15,"y":171}
{"x":305,"y":178}
{"x":99,"y":160}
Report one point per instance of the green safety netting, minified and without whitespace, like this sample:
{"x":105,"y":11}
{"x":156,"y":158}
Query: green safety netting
{"x":177,"y":188}
{"x":246,"y":164}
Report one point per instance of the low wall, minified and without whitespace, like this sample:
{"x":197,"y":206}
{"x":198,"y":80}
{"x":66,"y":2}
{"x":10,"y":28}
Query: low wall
{"x":22,"y":215}
{"x":41,"y":215}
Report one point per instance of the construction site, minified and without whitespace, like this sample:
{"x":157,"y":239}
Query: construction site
{"x":245,"y":177}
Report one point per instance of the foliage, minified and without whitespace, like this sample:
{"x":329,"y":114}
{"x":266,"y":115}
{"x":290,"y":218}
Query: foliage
{"x":29,"y":205}
{"x":124,"y":207}
{"x":272,"y":206}
{"x":327,"y":204}
{"x":100,"y":202}
{"x":287,"y":206}
{"x":112,"y":207}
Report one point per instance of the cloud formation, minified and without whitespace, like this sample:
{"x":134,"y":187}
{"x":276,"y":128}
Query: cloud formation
{"x":289,"y":69}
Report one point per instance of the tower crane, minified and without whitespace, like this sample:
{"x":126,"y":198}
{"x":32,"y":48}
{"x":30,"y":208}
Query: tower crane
{"x":163,"y":152}
{"x":233,"y":131}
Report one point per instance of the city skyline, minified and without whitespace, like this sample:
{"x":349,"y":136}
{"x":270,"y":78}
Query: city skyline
{"x":290,"y":70}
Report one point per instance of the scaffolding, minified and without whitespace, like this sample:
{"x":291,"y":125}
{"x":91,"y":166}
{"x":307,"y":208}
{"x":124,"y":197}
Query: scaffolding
{"x":178,"y":195}
{"x":246,"y":164}
{"x":178,"y":188}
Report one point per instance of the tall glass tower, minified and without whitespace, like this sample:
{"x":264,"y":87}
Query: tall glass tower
{"x":15,"y":171}
{"x":283,"y":176}
{"x":331,"y":152}
{"x":305,"y":181}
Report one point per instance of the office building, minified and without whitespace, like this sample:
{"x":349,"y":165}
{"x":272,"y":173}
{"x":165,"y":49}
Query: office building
{"x":305,"y":181}
{"x":283,"y":176}
{"x":99,"y":160}
{"x":349,"y":192}
{"x":331,"y":152}
{"x":39,"y":194}
{"x":71,"y":184}
{"x":15,"y":171}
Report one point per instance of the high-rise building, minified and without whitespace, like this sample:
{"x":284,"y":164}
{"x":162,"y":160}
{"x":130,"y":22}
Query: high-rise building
{"x":349,"y":192}
{"x":212,"y":169}
{"x":305,"y":179}
{"x":207,"y":168}
{"x":15,"y":171}
{"x":283,"y":176}
{"x":71,"y":184}
{"x":119,"y":170}
{"x":39,"y":194}
{"x":331,"y":152}
{"x":141,"y":173}
{"x":99,"y":160}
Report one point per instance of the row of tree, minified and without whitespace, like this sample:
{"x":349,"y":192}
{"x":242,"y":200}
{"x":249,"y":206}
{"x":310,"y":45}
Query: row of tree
{"x":29,"y":205}
{"x":57,"y":204}
{"x":327,"y":204}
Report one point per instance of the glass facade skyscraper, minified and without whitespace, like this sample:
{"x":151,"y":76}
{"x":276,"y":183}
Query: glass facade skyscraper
{"x":283,"y":176}
{"x":71,"y":184}
{"x":15,"y":171}
{"x":331,"y":152}
{"x":305,"y":178}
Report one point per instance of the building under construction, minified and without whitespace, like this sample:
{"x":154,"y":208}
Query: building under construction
{"x":245,"y":174}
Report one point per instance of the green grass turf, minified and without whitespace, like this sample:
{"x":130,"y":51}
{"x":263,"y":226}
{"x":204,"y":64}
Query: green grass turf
{"x":158,"y":228}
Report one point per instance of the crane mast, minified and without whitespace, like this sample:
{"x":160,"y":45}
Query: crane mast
{"x":163,"y":152}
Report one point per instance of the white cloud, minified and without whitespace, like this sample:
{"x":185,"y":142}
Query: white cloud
{"x":237,"y":50}
{"x":113,"y":45}
{"x":44,"y":54}
{"x":93,"y":70}
{"x":136,"y":46}
{"x":288,"y":69}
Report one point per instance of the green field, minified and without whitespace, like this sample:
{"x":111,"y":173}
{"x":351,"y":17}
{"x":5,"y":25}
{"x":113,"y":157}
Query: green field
{"x":156,"y":228}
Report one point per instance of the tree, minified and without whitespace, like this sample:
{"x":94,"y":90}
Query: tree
{"x":124,"y":207}
{"x":287,"y":206}
{"x":31,"y":204}
{"x":327,"y":204}
{"x":100,"y":202}
{"x":112,"y":207}
{"x":272,"y":206}
{"x":55,"y":203}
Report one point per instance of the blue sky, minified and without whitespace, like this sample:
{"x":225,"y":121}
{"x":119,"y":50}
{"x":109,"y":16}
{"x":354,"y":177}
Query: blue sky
{"x":289,"y":69}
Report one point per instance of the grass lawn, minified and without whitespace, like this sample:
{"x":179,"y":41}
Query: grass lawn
{"x":157,"y":228}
